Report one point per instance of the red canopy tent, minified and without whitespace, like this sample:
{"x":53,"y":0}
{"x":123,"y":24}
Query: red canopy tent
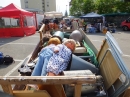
{"x":24,"y":18}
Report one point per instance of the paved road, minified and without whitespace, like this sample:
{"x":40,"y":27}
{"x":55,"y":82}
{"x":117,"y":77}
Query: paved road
{"x":19,"y":48}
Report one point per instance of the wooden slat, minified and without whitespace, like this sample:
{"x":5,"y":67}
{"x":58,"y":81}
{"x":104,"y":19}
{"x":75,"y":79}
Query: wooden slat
{"x":60,"y":90}
{"x":47,"y":79}
{"x":42,"y":31}
{"x":42,"y":28}
{"x":77,"y":91}
{"x":54,"y":90}
{"x":31,"y":93}
{"x":102,"y":51}
{"x":7,"y":89}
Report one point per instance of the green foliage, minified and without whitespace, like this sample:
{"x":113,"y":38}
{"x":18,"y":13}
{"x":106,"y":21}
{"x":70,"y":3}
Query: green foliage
{"x":76,"y":8}
{"x":123,"y":7}
{"x":88,"y":6}
{"x":106,"y":6}
{"x":80,"y":7}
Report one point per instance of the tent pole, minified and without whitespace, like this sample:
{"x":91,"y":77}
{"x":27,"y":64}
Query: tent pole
{"x":10,"y":22}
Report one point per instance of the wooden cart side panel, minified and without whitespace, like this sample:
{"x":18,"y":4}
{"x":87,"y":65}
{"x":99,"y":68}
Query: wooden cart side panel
{"x":102,"y":51}
{"x":109,"y":70}
{"x":48,"y":79}
{"x":32,"y":93}
{"x":7,"y":88}
{"x":55,"y":90}
{"x":77,"y":90}
{"x":42,"y":31}
{"x":56,"y":81}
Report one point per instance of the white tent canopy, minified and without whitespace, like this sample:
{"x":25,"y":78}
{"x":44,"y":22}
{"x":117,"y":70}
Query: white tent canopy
{"x":53,"y":14}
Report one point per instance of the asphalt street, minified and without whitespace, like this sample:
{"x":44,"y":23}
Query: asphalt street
{"x":20,"y":47}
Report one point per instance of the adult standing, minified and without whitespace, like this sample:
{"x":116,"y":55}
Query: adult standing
{"x":75,"y":25}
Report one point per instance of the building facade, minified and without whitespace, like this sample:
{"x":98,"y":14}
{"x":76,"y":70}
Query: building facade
{"x":39,"y":6}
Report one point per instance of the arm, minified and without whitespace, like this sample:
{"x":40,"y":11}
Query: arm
{"x":58,"y":48}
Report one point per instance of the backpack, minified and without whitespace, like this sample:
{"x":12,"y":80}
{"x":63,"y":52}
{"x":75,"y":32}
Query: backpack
{"x":8,"y":60}
{"x":1,"y":58}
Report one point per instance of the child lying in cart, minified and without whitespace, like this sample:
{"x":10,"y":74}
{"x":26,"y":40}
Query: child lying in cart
{"x":54,"y":58}
{"x":61,"y":57}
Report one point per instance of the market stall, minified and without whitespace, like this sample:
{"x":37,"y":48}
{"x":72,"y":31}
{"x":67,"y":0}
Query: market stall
{"x":53,"y":14}
{"x":94,"y":19}
{"x":16,"y":22}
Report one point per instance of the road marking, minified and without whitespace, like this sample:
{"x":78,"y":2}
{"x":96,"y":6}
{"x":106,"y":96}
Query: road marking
{"x":20,"y":43}
{"x":17,"y":60}
{"x":97,"y":40}
{"x":15,"y":68}
{"x":34,"y":36}
{"x":126,"y":55}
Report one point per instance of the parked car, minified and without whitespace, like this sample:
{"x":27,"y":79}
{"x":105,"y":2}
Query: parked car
{"x":126,"y":24}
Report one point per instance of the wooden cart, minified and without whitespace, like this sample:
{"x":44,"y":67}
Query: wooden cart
{"x":110,"y":70}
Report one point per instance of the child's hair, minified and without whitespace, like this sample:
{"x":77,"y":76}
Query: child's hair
{"x":54,"y":40}
{"x":70,"y":41}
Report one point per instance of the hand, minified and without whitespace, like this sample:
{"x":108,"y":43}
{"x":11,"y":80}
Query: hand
{"x":56,"y":51}
{"x":51,"y":74}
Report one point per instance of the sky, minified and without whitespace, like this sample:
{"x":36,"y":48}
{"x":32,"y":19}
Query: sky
{"x":61,"y":5}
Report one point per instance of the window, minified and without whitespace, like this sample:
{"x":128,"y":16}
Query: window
{"x":26,"y":5}
{"x":26,"y":1}
{"x":9,"y":22}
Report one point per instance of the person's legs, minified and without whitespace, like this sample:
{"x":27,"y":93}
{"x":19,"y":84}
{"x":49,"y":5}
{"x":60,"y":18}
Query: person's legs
{"x":38,"y":67}
{"x":49,"y":53}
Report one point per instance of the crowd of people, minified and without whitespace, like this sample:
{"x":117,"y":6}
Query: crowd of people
{"x":55,"y":24}
{"x":73,"y":24}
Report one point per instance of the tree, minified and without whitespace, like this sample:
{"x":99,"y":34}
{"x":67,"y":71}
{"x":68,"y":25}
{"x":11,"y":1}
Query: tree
{"x":126,"y":0}
{"x":105,"y":6}
{"x":80,"y":7}
{"x":88,"y":6}
{"x":76,"y":8}
{"x":123,"y":6}
{"x":66,"y":13}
